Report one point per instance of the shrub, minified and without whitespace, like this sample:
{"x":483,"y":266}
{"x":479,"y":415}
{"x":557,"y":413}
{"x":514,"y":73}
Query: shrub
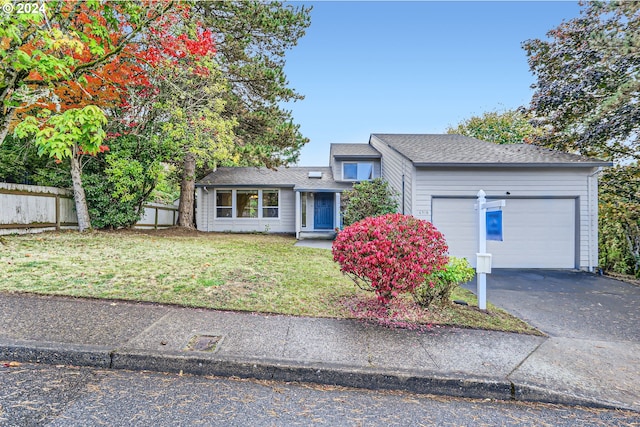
{"x":389,"y":254}
{"x":439,"y":284}
{"x":367,"y":199}
{"x":619,"y":220}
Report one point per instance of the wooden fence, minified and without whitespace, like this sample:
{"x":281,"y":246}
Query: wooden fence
{"x":33,"y":209}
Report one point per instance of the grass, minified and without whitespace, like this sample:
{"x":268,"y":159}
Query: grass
{"x":257,"y":273}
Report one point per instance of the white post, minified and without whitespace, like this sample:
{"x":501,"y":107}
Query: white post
{"x":482,"y":249}
{"x":337,"y":211}
{"x":298,"y":212}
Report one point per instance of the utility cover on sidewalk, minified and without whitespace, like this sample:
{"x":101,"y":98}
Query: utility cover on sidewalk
{"x":203,"y":343}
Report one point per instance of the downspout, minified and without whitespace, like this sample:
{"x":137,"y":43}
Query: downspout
{"x":589,"y":229}
{"x":402,"y":194}
{"x":207,"y":191}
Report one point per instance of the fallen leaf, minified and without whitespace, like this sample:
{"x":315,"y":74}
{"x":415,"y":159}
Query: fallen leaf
{"x":11,"y":364}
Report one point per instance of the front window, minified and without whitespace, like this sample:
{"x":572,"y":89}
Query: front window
{"x":223,"y":203}
{"x":247,"y":203}
{"x":360,"y":171}
{"x":270,"y":203}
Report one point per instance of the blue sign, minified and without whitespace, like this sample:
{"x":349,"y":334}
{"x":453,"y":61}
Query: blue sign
{"x":494,"y":225}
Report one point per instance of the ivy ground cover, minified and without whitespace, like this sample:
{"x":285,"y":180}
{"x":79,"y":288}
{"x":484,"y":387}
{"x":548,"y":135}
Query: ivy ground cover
{"x":257,"y":273}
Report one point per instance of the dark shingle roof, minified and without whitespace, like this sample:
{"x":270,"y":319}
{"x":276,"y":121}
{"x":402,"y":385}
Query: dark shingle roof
{"x":354,"y":150}
{"x":459,"y":150}
{"x":296,"y":177}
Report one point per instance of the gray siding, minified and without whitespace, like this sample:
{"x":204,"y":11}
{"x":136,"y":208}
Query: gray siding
{"x":393,"y":168}
{"x":530,"y":182}
{"x":207,"y":221}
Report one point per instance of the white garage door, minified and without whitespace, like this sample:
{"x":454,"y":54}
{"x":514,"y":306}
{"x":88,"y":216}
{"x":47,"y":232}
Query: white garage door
{"x":537,"y":233}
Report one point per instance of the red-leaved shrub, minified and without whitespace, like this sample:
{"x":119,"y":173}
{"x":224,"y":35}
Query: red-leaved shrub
{"x":390,"y":254}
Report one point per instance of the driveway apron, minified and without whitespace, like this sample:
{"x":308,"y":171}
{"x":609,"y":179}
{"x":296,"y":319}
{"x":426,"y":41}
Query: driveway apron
{"x":569,"y":304}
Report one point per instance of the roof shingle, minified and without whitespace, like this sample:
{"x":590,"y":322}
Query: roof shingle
{"x":354,"y":150}
{"x":296,"y":177}
{"x":460,"y":150}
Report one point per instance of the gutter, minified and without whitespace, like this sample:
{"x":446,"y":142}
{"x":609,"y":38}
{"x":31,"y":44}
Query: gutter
{"x":590,"y":227}
{"x":512,"y":165}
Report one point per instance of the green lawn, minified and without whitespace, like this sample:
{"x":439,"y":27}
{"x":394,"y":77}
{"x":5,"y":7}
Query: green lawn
{"x":250,"y":272}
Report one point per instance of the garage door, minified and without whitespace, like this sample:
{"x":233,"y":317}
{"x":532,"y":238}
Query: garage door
{"x":537,"y":233}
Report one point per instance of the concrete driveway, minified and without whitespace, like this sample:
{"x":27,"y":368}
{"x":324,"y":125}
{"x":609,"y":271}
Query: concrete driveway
{"x":570,"y":304}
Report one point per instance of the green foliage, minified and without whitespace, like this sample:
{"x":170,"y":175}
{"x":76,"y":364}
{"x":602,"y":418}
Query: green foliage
{"x":121,"y":180}
{"x":20,"y":164}
{"x":76,"y":131}
{"x":439,"y":285}
{"x":588,"y":82}
{"x":368,"y":199}
{"x":105,"y":209}
{"x":252,"y":38}
{"x":508,"y":127}
{"x":619,"y":218}
{"x":191,"y":106}
{"x":167,"y":189}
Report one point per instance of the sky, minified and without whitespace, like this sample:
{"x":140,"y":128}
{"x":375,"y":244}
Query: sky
{"x":411,"y":67}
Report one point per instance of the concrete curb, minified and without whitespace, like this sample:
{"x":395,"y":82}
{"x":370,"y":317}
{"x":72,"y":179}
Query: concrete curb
{"x":56,"y":354}
{"x":264,"y":369}
{"x":530,"y":393}
{"x":320,"y":373}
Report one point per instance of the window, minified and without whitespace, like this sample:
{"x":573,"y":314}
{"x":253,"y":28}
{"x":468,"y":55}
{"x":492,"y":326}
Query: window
{"x":247,"y":203}
{"x":223,"y":203}
{"x":361,"y":171}
{"x":304,"y":209}
{"x":270,"y":203}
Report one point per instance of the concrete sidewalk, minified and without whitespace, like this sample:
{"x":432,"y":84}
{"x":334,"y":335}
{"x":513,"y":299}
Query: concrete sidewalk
{"x":447,"y":361}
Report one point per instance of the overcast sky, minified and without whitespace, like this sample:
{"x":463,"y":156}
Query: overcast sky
{"x":411,"y":67}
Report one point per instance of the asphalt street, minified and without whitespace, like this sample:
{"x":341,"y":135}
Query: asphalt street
{"x":48,"y":395}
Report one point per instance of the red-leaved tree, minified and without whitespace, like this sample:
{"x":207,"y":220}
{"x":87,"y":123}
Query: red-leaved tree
{"x":390,"y":254}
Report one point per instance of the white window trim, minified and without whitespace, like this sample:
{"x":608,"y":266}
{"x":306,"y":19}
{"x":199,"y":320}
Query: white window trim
{"x":215,"y":205}
{"x":234,"y":206}
{"x":261,"y":206}
{"x":373,"y":170}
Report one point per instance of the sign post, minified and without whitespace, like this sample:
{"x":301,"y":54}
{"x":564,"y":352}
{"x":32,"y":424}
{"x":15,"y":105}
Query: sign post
{"x":483,"y":259}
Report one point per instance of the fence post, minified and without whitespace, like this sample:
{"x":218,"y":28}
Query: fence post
{"x":58,"y":212}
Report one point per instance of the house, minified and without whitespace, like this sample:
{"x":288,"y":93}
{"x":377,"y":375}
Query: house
{"x":549,"y":220}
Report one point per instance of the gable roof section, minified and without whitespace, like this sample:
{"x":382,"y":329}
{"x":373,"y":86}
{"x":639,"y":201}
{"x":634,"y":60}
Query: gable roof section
{"x":364,"y":151}
{"x":284,"y":177}
{"x":463,"y":151}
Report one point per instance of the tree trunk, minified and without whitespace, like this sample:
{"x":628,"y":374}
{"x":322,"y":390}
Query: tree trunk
{"x":84,"y":222}
{"x":187,"y":191}
{"x":5,"y":122}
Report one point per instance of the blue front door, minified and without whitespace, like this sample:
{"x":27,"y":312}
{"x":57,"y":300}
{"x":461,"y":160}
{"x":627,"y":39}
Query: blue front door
{"x":323,"y":211}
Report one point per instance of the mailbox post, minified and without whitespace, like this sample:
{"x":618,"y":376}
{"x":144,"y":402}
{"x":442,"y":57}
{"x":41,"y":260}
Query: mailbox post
{"x":483,"y":259}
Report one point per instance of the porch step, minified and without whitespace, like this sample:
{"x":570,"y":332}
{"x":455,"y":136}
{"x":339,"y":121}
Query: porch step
{"x":317,"y":235}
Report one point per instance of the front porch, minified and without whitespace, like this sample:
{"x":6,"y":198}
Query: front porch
{"x":317,"y":214}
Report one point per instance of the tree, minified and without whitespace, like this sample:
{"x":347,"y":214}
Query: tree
{"x":64,"y":44}
{"x":69,"y":135}
{"x":240,"y":120}
{"x":586,"y":101}
{"x":368,"y":199}
{"x":252,"y":38}
{"x":619,"y":228}
{"x":183,"y":106}
{"x":508,"y":127}
{"x":588,"y":81}
{"x":107,"y":49}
